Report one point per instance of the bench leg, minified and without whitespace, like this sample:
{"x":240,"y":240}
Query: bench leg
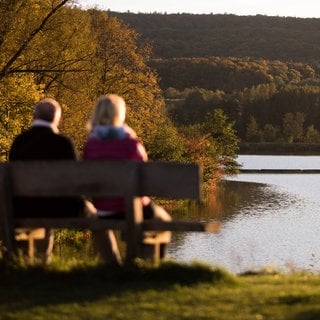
{"x":31,"y":249}
{"x":150,"y":252}
{"x":154,"y":246}
{"x":39,"y":241}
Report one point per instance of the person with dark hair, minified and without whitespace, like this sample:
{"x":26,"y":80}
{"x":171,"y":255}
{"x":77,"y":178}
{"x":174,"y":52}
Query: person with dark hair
{"x":43,"y":142}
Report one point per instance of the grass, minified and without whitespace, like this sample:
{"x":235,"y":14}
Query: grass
{"x":140,"y":291}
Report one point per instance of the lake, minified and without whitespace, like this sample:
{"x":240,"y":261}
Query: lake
{"x":269,"y":220}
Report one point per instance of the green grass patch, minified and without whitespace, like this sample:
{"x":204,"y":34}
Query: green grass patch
{"x":141,"y":291}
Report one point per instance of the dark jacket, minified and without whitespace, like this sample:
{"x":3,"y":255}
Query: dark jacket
{"x":41,"y":143}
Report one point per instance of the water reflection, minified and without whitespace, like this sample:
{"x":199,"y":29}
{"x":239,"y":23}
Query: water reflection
{"x":263,"y":224}
{"x":245,"y":196}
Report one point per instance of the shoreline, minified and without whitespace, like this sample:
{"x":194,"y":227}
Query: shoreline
{"x":264,"y":148}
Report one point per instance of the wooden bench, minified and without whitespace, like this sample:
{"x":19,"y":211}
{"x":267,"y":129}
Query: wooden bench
{"x":127,"y":179}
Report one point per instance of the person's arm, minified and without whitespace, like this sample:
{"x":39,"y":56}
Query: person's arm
{"x":142,"y":151}
{"x":143,"y":156}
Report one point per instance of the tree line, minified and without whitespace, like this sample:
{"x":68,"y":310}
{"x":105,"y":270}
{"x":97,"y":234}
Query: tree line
{"x":269,"y":101}
{"x":226,"y":35}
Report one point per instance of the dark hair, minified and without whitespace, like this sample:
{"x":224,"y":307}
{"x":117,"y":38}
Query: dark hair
{"x":46,"y":109}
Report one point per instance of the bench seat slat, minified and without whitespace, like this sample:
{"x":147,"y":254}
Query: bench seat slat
{"x":70,"y":223}
{"x":147,"y":225}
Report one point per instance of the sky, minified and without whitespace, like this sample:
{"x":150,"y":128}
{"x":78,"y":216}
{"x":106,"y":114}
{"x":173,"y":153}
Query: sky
{"x":283,"y":8}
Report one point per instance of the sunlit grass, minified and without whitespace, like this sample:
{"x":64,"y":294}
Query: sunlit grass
{"x":76,"y":285}
{"x":141,"y":291}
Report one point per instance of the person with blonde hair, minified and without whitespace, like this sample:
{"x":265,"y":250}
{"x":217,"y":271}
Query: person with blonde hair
{"x":111,"y":138}
{"x":108,"y":119}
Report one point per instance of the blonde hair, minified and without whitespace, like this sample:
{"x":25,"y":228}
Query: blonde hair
{"x":109,"y":109}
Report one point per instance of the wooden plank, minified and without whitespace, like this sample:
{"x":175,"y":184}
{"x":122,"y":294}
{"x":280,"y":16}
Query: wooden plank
{"x":181,"y":225}
{"x":170,"y":180}
{"x":147,"y":225}
{"x":69,"y":178}
{"x":70,"y":223}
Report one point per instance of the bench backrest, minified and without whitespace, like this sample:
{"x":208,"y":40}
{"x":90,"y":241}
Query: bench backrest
{"x":101,"y":178}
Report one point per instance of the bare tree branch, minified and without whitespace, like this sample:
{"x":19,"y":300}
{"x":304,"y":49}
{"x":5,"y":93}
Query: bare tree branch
{"x":47,"y":70}
{"x":17,"y":54}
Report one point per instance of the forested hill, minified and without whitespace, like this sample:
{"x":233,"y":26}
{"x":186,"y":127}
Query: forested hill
{"x":260,"y":72}
{"x":189,"y":35}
